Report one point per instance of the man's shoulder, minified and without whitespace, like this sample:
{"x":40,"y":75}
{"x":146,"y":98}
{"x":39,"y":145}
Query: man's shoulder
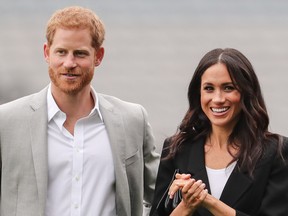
{"x":21,"y":102}
{"x":125,"y":108}
{"x":115,"y":101}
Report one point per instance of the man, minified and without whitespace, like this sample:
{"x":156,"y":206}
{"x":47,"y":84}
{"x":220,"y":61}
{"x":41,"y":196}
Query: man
{"x":68,"y":150}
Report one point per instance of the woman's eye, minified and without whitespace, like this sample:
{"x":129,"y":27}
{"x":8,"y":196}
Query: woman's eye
{"x":208,"y":88}
{"x":229,"y":88}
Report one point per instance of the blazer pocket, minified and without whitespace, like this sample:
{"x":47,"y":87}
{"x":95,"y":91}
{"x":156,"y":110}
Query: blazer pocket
{"x":133,"y":158}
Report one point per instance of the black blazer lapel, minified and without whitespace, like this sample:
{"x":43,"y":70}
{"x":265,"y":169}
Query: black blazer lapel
{"x":237,"y":184}
{"x":196,"y":161}
{"x":196,"y":167}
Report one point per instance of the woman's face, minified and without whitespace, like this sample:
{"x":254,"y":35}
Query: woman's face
{"x":220,"y":100}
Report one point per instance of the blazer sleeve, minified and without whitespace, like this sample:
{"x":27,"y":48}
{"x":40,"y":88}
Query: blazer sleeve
{"x":275,"y":200}
{"x":165,"y":173}
{"x":151,"y":163}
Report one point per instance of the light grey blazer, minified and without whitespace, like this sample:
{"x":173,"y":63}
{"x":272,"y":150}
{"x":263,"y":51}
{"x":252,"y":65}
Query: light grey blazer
{"x":23,"y":155}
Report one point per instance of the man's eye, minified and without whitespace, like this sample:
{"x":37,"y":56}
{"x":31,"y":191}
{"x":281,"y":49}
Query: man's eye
{"x":80,"y":54}
{"x":61,"y":52}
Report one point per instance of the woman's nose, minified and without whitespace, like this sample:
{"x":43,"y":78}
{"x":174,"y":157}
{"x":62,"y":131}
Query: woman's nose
{"x":218,"y":97}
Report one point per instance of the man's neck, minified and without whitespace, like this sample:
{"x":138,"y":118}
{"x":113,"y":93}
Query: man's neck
{"x":75,"y":106}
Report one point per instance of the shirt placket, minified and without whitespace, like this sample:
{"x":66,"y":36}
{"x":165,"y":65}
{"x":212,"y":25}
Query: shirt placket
{"x":77,"y":170}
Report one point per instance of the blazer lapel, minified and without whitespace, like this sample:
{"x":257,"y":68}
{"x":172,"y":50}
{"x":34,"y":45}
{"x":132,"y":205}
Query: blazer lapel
{"x":196,"y":161}
{"x":196,"y":167}
{"x":235,"y":187}
{"x":38,"y":134}
{"x":116,"y":133}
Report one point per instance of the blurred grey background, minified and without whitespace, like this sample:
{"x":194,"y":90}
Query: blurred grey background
{"x":152,"y":49}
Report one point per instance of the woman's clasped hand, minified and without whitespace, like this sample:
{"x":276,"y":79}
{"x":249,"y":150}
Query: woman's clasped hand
{"x":193,"y":192}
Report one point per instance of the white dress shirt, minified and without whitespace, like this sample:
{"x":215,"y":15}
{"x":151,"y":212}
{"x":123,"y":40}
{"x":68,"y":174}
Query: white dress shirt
{"x":81,"y":178}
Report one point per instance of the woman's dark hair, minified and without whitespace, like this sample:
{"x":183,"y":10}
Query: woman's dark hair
{"x":251,"y":131}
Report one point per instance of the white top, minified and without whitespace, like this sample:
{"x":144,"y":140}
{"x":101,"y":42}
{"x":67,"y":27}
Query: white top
{"x":81,"y":177}
{"x":218,"y":178}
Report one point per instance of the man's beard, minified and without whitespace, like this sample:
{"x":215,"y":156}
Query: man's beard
{"x":70,"y":87}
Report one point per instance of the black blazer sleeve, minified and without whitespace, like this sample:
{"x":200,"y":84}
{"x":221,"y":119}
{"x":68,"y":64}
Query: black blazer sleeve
{"x":275,"y":200}
{"x":164,"y":176}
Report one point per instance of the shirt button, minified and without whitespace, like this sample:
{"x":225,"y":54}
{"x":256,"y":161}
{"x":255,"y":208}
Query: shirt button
{"x":77,"y":178}
{"x":76,"y":206}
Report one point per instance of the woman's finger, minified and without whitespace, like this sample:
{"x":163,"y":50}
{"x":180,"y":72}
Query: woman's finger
{"x":203,"y":195}
{"x":188,"y":184}
{"x":182,"y":176}
{"x":175,"y":186}
{"x":196,"y":193}
{"x":194,"y":187}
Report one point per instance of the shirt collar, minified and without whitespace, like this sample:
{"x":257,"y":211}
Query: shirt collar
{"x":53,"y":108}
{"x":96,"y":108}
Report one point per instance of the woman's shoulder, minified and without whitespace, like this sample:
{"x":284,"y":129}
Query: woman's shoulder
{"x":277,"y":146}
{"x":285,"y":140}
{"x":285,"y":147}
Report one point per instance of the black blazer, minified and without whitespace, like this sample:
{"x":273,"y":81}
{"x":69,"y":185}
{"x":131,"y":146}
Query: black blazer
{"x":264,"y":194}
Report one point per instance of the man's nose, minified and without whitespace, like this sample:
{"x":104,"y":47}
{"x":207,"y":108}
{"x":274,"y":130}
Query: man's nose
{"x":70,"y":61}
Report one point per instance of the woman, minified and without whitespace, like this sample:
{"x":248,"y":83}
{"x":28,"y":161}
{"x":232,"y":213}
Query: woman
{"x":223,"y":146}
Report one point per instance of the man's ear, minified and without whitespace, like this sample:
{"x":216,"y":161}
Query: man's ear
{"x":46,"y":52}
{"x":99,"y":56}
